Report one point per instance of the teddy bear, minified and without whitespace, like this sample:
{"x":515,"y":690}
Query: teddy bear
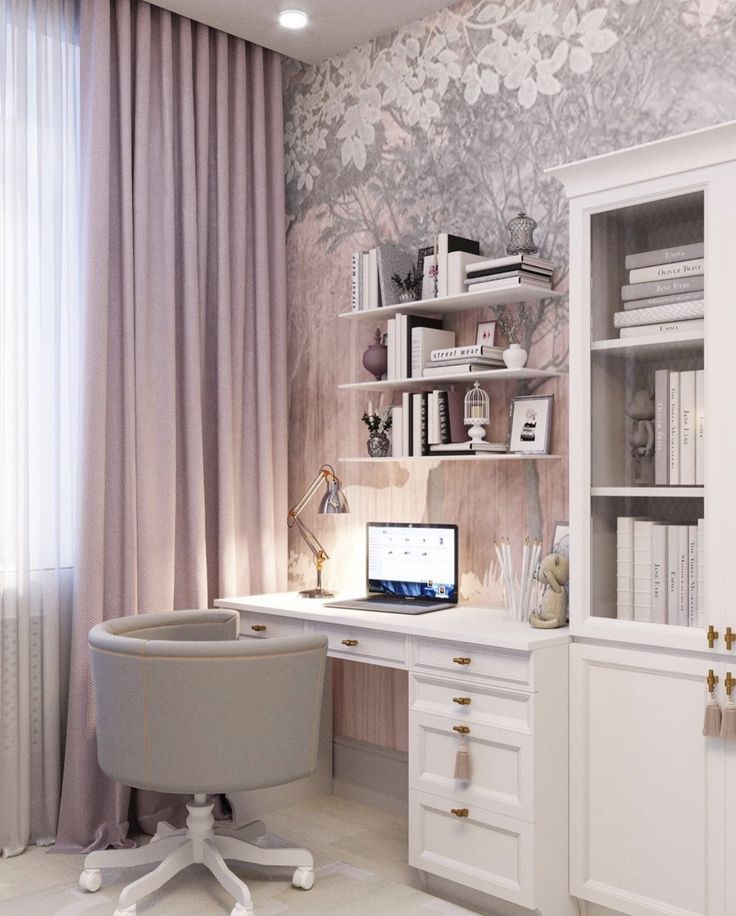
{"x":554,"y":573}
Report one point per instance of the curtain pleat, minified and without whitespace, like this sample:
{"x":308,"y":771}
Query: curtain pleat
{"x":183,"y":447}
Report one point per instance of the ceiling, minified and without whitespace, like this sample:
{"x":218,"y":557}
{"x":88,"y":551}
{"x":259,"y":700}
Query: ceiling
{"x":335,"y":25}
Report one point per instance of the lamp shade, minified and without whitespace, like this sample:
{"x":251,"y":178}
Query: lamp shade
{"x":334,"y":501}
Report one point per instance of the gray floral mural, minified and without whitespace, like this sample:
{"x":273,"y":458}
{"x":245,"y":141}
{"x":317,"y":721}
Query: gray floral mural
{"x":448,"y":125}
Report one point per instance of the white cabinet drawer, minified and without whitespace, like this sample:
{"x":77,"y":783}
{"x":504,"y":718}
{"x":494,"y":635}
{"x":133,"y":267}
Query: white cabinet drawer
{"x":501,"y":761}
{"x":486,"y":704}
{"x":364,"y":645}
{"x":468,"y":661}
{"x":485,"y":851}
{"x":264,"y":625}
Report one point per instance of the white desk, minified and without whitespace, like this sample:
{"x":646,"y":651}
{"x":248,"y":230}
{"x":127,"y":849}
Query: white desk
{"x":505,"y":831}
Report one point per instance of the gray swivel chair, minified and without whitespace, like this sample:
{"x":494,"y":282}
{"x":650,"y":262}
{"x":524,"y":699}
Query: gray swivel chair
{"x":185,"y":706}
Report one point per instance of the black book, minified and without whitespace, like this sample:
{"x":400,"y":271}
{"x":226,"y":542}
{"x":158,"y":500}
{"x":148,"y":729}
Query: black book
{"x":508,"y":269}
{"x":444,"y":418}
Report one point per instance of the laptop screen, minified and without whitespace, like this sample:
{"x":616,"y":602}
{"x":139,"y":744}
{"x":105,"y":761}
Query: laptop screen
{"x":413,"y":559}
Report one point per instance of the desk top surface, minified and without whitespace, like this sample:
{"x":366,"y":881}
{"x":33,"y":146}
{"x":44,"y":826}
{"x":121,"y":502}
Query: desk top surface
{"x":481,"y":626}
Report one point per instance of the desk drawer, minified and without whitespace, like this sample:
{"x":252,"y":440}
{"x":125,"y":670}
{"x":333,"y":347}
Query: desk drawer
{"x":265,"y":625}
{"x":485,"y":704}
{"x":364,"y":645}
{"x":485,"y":851}
{"x":501,"y":761}
{"x":467,"y":661}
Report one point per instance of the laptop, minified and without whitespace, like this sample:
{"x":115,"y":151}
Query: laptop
{"x":411,"y":569}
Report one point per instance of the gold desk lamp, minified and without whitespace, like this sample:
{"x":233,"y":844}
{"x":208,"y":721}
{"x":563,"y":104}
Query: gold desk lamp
{"x":332,"y":503}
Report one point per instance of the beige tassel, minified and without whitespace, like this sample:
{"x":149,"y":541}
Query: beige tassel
{"x":463,"y":769}
{"x":712,"y":723}
{"x":728,"y":721}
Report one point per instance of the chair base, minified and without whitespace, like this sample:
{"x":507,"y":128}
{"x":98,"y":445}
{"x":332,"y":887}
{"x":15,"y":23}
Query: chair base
{"x":175,"y":850}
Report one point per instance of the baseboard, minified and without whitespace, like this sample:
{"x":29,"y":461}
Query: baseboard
{"x":371,"y":774}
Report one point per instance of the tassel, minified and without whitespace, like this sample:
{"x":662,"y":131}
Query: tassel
{"x":463,"y":769}
{"x":712,"y":723}
{"x":728,"y":721}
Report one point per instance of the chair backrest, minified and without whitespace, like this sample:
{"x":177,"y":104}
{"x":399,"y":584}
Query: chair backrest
{"x":183,"y":705}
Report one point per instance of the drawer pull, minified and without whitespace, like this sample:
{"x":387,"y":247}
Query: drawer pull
{"x":461,"y":729}
{"x":459,"y":812}
{"x":350,"y":642}
{"x":461,"y":701}
{"x":258,"y":627}
{"x":459,"y":660}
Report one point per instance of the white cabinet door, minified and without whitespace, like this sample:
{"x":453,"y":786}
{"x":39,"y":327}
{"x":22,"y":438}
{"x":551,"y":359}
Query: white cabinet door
{"x":647,"y":815}
{"x":728,"y":795}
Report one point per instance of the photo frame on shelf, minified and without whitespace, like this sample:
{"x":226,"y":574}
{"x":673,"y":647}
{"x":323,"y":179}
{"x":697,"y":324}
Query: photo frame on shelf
{"x":561,"y":539}
{"x":485,"y":333}
{"x":426,"y":266}
{"x":530,"y":424}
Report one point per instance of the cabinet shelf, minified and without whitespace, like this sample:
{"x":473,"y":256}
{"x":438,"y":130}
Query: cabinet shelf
{"x":437,"y":381}
{"x":506,"y":295}
{"x":649,"y":346}
{"x":477,"y":457}
{"x":668,"y":492}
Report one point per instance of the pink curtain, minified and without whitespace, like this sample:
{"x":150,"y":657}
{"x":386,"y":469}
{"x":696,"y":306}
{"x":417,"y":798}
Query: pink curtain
{"x":183,"y":451}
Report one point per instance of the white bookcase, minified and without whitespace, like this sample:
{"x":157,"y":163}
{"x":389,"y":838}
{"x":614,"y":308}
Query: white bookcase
{"x":652,"y":808}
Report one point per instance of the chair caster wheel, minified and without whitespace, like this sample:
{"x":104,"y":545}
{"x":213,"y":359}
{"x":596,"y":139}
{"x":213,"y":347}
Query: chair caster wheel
{"x":90,"y":880}
{"x":240,"y":910}
{"x":303,"y":878}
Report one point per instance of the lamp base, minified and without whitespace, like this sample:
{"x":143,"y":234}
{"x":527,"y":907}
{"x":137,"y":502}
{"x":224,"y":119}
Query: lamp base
{"x":316,"y":593}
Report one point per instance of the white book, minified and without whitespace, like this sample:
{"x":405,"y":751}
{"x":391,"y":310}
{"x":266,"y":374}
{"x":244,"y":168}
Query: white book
{"x":625,"y":568}
{"x":690,"y":326}
{"x":661,"y":425}
{"x":659,"y":574}
{"x":692,"y":575}
{"x":355,"y":261}
{"x":699,"y":427}
{"x":673,"y":585}
{"x":643,"y":569}
{"x":365,"y":284}
{"x":665,"y":255}
{"x":687,"y":428}
{"x":692,"y":268}
{"x":423,"y":342}
{"x":474,"y":350}
{"x":682,"y":570}
{"x":416,"y":423}
{"x":397,"y":431}
{"x":457,"y":262}
{"x":700,"y":613}
{"x":433,"y":419}
{"x":374,"y":298}
{"x":406,"y":430}
{"x":391,"y":348}
{"x":674,"y":433}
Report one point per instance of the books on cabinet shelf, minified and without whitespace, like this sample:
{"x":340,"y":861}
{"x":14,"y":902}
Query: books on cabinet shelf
{"x":659,"y":571}
{"x":679,"y":427}
{"x":427,"y":419}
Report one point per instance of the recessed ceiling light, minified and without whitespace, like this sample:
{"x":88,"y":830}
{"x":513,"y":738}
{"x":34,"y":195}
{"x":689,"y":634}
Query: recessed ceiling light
{"x":293,"y":19}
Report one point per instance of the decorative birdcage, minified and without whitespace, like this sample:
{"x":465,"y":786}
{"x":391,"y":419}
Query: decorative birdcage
{"x":477,"y":412}
{"x":521,"y":235}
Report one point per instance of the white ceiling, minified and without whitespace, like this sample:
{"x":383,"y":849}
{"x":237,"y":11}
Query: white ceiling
{"x":335,"y":25}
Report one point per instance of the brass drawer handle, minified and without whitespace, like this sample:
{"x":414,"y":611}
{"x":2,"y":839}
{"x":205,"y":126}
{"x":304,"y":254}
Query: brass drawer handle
{"x":461,"y":729}
{"x":459,"y":660}
{"x":350,"y":642}
{"x":459,"y":812}
{"x":258,"y":627}
{"x":711,"y":635}
{"x":461,"y":701}
{"x":730,"y":638}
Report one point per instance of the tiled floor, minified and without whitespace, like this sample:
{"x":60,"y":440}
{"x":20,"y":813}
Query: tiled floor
{"x":359,"y":852}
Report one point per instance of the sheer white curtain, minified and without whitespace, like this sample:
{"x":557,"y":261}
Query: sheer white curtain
{"x":39,"y":334}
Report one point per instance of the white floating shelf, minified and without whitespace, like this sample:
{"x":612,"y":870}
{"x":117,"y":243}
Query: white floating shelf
{"x":503,"y":295}
{"x":477,"y":457}
{"x":646,"y":346}
{"x":669,"y":492}
{"x":437,"y":381}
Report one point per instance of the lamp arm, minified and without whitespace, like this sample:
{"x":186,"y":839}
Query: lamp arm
{"x":309,"y":539}
{"x":326,"y":472}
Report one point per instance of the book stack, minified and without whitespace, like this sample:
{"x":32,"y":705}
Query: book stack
{"x":432,"y":422}
{"x":465,"y":360}
{"x":679,"y":427}
{"x":659,"y":570}
{"x":371,"y":273}
{"x":410,"y":340}
{"x":664,"y":294}
{"x":444,"y":262}
{"x":506,"y":273}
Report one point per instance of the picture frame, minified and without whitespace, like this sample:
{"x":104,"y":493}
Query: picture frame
{"x":426,"y":266}
{"x":530,"y":424}
{"x":561,"y":539}
{"x":485,"y":333}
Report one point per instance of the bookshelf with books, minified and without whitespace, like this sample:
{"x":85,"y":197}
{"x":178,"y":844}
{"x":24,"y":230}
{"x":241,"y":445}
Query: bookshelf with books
{"x":652,"y":509}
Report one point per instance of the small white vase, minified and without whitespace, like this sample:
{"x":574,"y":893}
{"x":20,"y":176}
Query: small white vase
{"x":515,"y":356}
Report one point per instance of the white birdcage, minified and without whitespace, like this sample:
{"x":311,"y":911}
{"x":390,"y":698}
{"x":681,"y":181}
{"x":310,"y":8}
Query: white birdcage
{"x":477,"y":412}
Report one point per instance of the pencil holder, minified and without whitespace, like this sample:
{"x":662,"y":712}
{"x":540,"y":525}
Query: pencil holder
{"x":519,"y":591}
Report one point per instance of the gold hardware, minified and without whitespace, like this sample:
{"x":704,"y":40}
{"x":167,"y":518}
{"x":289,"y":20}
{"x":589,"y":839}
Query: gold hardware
{"x":729,"y":638}
{"x":258,"y":627}
{"x":712,"y":680}
{"x":350,"y":642}
{"x":729,"y":682}
{"x":459,"y":812}
{"x":461,"y":661}
{"x":711,"y":636}
{"x":461,"y":701}
{"x":461,"y":729}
